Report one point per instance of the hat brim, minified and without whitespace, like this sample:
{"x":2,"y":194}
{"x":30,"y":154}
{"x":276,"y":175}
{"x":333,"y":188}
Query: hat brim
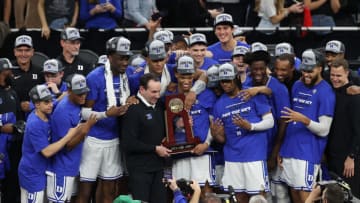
{"x":155,"y":57}
{"x":184,"y":72}
{"x":75,"y":38}
{"x":198,"y":42}
{"x":124,"y":53}
{"x":228,"y":77}
{"x":304,"y":67}
{"x":23,"y":44}
{"x":81,"y":91}
{"x":47,"y":98}
{"x":224,"y":23}
{"x":53,"y":71}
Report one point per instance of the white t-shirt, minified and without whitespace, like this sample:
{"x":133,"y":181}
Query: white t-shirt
{"x":267,"y":9}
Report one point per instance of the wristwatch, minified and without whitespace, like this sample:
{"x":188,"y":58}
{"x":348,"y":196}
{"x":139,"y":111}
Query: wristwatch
{"x":352,"y":156}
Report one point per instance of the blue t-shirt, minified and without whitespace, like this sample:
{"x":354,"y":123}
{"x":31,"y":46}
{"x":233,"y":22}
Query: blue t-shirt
{"x":220,"y":55}
{"x":33,"y":163}
{"x":300,"y":142}
{"x":242,"y":145}
{"x":66,"y":115}
{"x":207,"y":63}
{"x":107,"y":128}
{"x":5,"y":141}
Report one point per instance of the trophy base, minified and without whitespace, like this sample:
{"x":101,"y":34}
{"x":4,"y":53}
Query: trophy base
{"x":182,"y":148}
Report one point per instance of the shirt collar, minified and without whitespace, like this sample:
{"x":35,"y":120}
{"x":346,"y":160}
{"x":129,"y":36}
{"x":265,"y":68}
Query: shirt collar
{"x":144,"y":101}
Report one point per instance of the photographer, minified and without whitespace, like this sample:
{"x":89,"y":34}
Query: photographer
{"x":178,"y":192}
{"x":331,"y":193}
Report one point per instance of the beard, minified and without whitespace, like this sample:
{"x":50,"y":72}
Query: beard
{"x":312,"y":82}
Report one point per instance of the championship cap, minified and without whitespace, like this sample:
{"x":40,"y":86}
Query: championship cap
{"x":40,"y":93}
{"x":52,"y":66}
{"x":224,"y":19}
{"x":335,"y":46}
{"x":119,"y":45}
{"x":77,"y":84}
{"x":213,"y":76}
{"x":171,"y":34}
{"x":163,"y":36}
{"x":156,"y":50}
{"x":23,"y":40}
{"x":310,"y":59}
{"x":283,"y":48}
{"x":240,"y":50}
{"x":197,"y":38}
{"x":102,"y":59}
{"x":237,"y":31}
{"x":185,"y":65}
{"x":227,"y":71}
{"x":137,"y":60}
{"x":258,"y":46}
{"x":70,"y":33}
{"x":5,"y":64}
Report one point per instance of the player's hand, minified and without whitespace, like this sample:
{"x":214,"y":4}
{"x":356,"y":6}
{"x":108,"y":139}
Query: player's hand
{"x":116,"y":110}
{"x":353,"y":90}
{"x":171,"y":87}
{"x":53,"y":87}
{"x":240,"y":121}
{"x":190,"y":99}
{"x":248,"y":93}
{"x":162,"y":151}
{"x":109,"y":7}
{"x":349,"y":167}
{"x":25,"y":106}
{"x":217,"y":130}
{"x":293,"y":116}
{"x":92,"y":120}
{"x":131,"y":100}
{"x":200,"y":148}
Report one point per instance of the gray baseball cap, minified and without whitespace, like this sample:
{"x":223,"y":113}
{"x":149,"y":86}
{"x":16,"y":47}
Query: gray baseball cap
{"x":237,"y":31}
{"x":335,"y":46}
{"x":311,"y":59}
{"x":283,"y":48}
{"x":213,"y":76}
{"x":185,"y":65}
{"x":40,"y":93}
{"x":258,"y":46}
{"x":23,"y":40}
{"x":77,"y":84}
{"x":240,"y":50}
{"x":197,"y":38}
{"x":70,"y":33}
{"x":156,"y":50}
{"x":163,"y":36}
{"x":5,"y":64}
{"x":227,"y":71}
{"x":119,"y":45}
{"x":102,"y":59}
{"x":52,"y":66}
{"x":224,"y":19}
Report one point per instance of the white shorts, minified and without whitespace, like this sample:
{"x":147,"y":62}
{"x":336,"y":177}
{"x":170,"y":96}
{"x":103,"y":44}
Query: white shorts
{"x":299,"y":174}
{"x":250,"y":177}
{"x":219,"y":169}
{"x":199,"y":168}
{"x":32,"y":197}
{"x":100,"y":159}
{"x":275,"y":175}
{"x":60,"y":188}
